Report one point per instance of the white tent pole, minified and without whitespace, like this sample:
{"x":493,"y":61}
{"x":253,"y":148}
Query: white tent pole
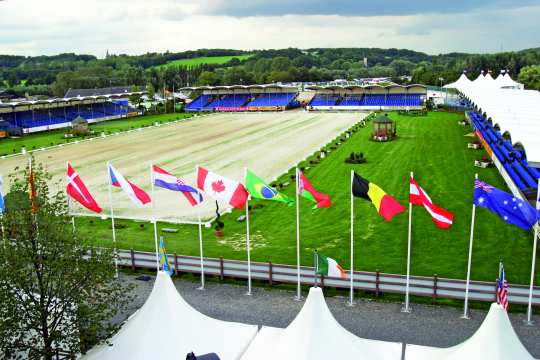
{"x":351,"y":275}
{"x":298,"y":288}
{"x":200,"y":246}
{"x":466,"y":305}
{"x":154,"y":220}
{"x":533,"y":265}
{"x":409,"y":240}
{"x":112,"y":222}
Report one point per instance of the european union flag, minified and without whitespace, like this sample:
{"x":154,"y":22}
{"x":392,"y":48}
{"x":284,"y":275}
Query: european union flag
{"x":511,"y":209}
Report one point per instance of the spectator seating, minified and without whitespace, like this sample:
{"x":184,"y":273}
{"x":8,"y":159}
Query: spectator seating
{"x":272,"y":99}
{"x":372,"y":100}
{"x":514,"y":162}
{"x":324,"y":100}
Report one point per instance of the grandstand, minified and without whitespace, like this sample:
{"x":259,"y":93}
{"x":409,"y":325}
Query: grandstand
{"x":242,"y":98}
{"x":372,"y":97}
{"x":42,"y":115}
{"x":506,"y":120}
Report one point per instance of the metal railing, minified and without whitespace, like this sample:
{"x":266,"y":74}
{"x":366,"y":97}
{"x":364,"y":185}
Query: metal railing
{"x":375,"y":282}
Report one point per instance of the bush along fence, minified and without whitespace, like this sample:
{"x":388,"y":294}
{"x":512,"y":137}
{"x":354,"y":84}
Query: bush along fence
{"x":376,"y":283}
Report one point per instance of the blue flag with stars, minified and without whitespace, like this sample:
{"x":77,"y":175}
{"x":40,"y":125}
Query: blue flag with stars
{"x":511,"y":209}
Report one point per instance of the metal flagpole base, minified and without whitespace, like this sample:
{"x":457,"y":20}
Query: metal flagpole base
{"x":466,"y":317}
{"x":406,"y":310}
{"x":528,"y":322}
{"x":298,"y":298}
{"x":351,"y":303}
{"x":248,"y":293}
{"x":201,"y":288}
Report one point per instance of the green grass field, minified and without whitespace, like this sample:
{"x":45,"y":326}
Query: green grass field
{"x":55,"y":137}
{"x":434,"y":147}
{"x":205,"y":60}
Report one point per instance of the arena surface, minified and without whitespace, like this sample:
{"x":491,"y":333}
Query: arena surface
{"x":267,"y":143}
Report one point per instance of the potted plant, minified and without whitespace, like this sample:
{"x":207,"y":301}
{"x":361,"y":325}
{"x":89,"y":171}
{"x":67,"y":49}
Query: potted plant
{"x":219,"y":228}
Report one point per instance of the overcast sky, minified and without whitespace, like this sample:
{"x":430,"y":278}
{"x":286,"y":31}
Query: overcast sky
{"x":35,"y":27}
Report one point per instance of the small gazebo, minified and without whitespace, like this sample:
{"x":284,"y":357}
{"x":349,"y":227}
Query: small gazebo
{"x":384,"y":128}
{"x":80,"y":126}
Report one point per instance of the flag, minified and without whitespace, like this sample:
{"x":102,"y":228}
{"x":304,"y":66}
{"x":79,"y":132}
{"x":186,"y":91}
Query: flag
{"x":260,"y":190}
{"x":511,"y":209}
{"x":502,"y":288}
{"x":166,"y":180}
{"x":163,"y":259}
{"x":32,"y":188}
{"x":417,"y":196}
{"x":386,"y":205}
{"x":306,"y":190}
{"x":2,"y":206}
{"x":222,"y":188}
{"x":329,"y":267}
{"x":136,"y":194}
{"x":77,"y":190}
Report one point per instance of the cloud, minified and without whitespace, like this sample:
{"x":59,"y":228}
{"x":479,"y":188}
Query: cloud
{"x":243,"y":8}
{"x":140,"y":26}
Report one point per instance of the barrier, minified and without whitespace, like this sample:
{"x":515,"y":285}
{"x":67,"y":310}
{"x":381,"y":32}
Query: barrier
{"x":433,"y":287}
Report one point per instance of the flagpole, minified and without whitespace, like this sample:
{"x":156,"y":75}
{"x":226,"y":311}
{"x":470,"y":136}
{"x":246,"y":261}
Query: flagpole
{"x":533,"y":265}
{"x":69,"y":205}
{"x":298,"y":290}
{"x":316,"y":267}
{"x":407,"y":309}
{"x":154,"y":221}
{"x":200,"y":246}
{"x":466,"y":305}
{"x":112,"y":222}
{"x":248,"y":245}
{"x":351,"y":291}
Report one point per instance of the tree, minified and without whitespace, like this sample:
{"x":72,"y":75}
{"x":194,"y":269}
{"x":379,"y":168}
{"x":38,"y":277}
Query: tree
{"x":56,"y":290}
{"x":151,"y":91}
{"x":208,"y":78}
{"x":530,"y":77}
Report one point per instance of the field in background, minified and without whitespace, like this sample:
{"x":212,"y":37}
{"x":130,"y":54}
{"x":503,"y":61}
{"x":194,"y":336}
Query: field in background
{"x":434,"y":147}
{"x":205,"y":60}
{"x":267,"y":143}
{"x":10,"y":146}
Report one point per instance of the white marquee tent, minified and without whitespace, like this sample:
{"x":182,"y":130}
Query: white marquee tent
{"x":315,"y":335}
{"x":494,"y":340}
{"x":167,"y":327}
{"x":461,"y":82}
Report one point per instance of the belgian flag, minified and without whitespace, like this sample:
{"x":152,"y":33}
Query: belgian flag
{"x":386,"y":205}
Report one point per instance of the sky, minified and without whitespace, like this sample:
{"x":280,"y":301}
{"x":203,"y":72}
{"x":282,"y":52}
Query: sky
{"x":39,"y":27}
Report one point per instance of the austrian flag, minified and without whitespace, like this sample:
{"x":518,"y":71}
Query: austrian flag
{"x":441,"y":217}
{"x":221,"y":188}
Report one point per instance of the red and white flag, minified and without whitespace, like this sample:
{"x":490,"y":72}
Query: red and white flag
{"x":77,"y":190}
{"x":221,"y":188}
{"x":441,"y":217}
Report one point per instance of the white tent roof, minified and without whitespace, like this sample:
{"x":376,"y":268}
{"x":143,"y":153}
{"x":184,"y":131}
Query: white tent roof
{"x":516,"y":111}
{"x":494,"y":340}
{"x":167,"y":327}
{"x":462,"y":81}
{"x":315,"y":335}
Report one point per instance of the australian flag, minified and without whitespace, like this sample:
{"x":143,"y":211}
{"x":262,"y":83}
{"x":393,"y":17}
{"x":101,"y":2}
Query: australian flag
{"x":511,"y":209}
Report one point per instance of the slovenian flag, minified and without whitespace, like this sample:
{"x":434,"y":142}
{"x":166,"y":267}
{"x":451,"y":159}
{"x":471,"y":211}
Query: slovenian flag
{"x":2,"y":206}
{"x":221,"y":188}
{"x":166,"y":180}
{"x":136,"y":194}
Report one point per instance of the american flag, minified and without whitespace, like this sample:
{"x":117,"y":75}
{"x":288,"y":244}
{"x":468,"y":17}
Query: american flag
{"x":502,"y":288}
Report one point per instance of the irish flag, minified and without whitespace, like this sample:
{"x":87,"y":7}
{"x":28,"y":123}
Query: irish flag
{"x":329,"y":267}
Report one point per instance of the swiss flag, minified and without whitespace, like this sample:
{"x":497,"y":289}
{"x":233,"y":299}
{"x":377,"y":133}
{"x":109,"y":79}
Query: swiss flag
{"x":78,"y":191}
{"x":441,"y":217}
{"x":222,"y":188}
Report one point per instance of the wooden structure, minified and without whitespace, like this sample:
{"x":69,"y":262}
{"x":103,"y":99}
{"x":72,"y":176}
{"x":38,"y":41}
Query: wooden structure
{"x":384,"y":128}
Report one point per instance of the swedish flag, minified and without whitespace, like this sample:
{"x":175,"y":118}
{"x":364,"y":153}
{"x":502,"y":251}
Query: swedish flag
{"x":260,"y":190}
{"x":163,"y":260}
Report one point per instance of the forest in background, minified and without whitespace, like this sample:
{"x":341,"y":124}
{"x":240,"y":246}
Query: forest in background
{"x":54,"y":75}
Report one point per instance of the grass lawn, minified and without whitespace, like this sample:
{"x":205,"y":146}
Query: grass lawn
{"x":205,"y":60}
{"x":55,"y":137}
{"x":434,"y":147}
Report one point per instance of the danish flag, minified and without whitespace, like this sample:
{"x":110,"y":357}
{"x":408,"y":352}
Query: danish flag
{"x":77,"y":190}
{"x":441,"y":217}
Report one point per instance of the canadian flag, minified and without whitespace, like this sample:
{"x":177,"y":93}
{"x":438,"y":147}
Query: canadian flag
{"x":441,"y":217}
{"x":222,"y":188}
{"x":78,"y":191}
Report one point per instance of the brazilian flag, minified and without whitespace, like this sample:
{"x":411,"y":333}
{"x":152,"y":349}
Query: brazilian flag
{"x":260,"y":190}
